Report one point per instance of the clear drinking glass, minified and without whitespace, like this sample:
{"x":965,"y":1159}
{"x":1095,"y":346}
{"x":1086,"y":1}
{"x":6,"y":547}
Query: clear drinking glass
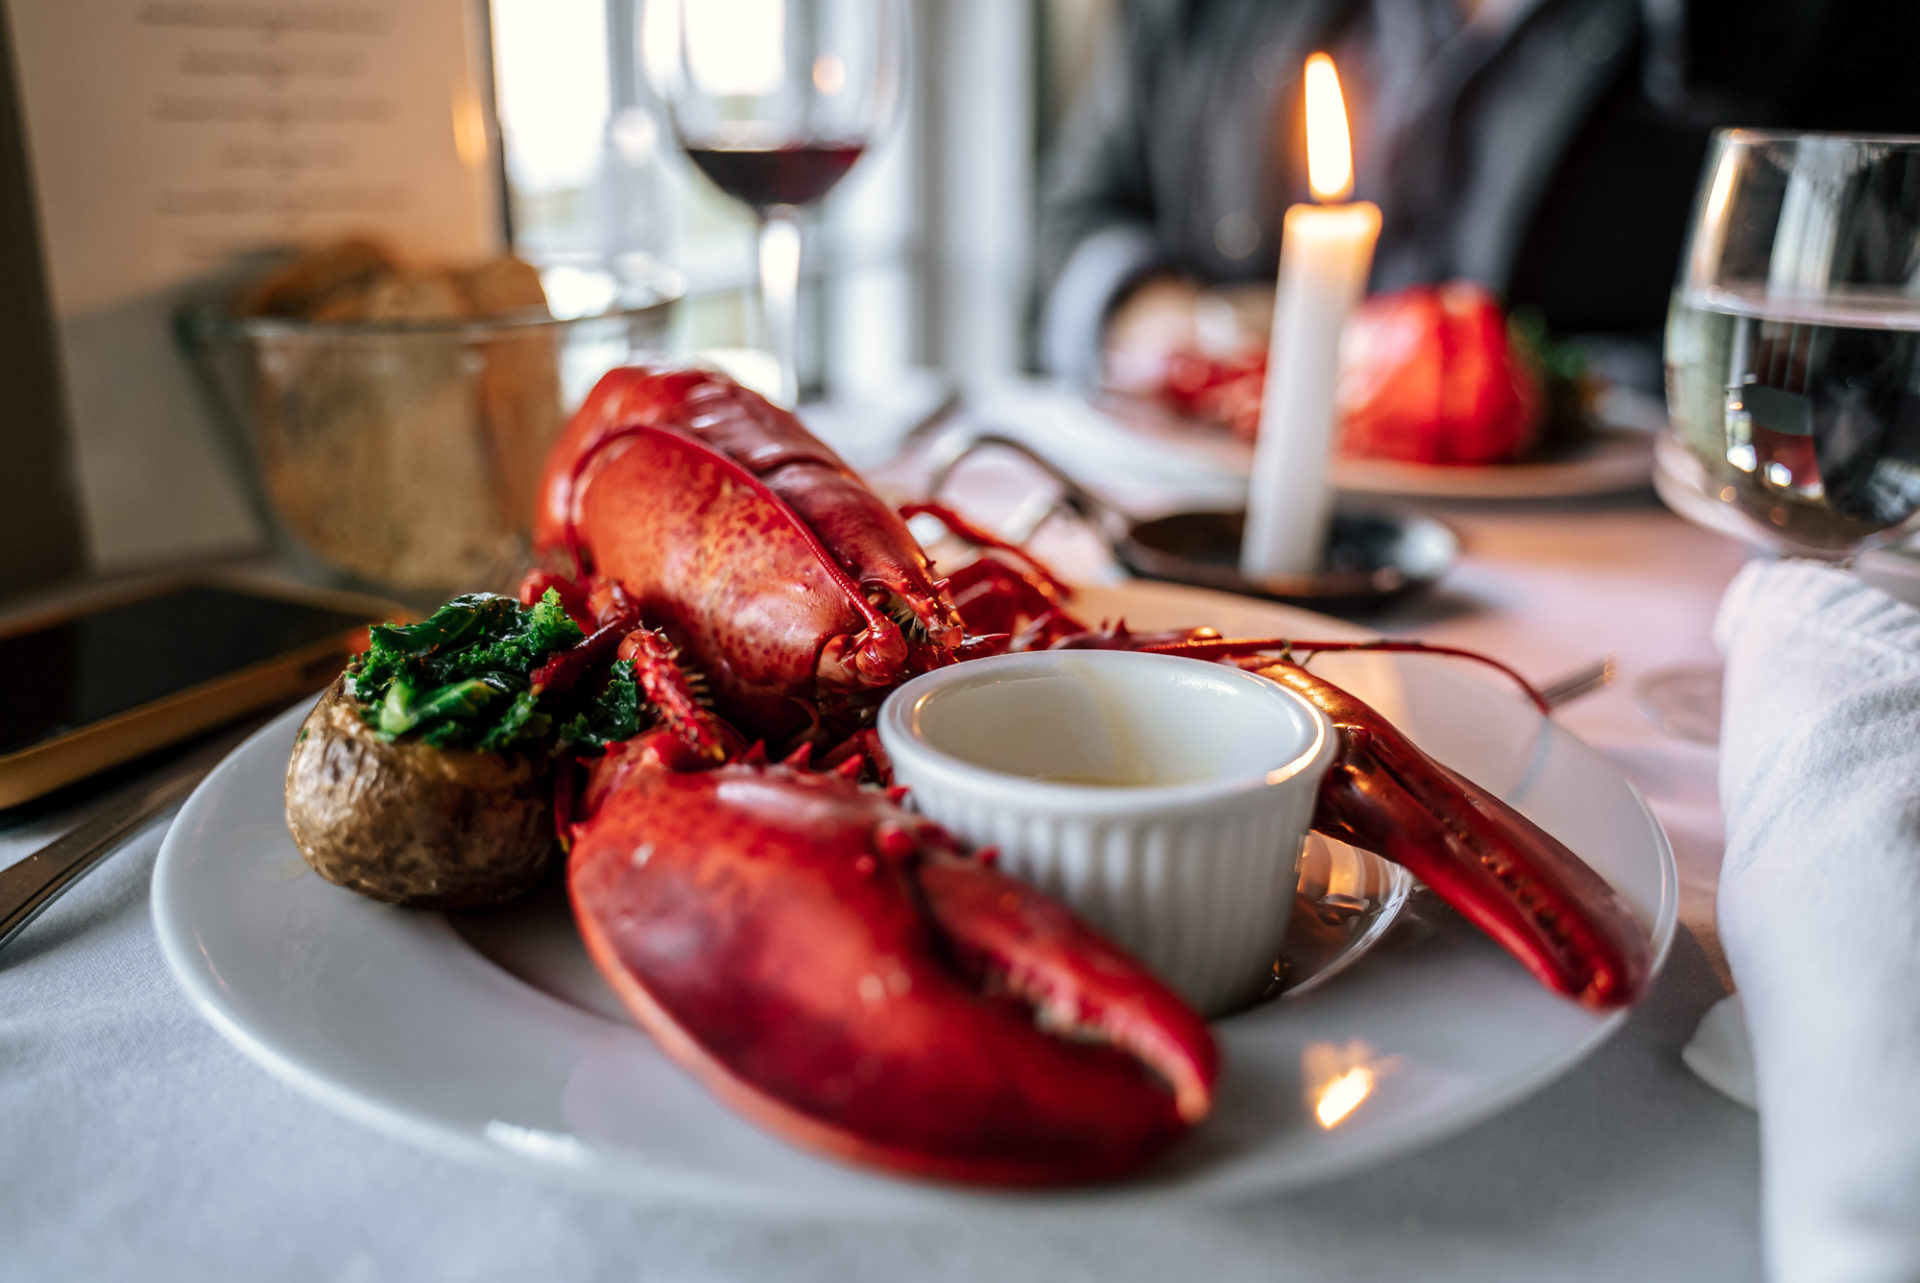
{"x":1793,"y":359}
{"x":774,"y":100}
{"x":404,"y":455}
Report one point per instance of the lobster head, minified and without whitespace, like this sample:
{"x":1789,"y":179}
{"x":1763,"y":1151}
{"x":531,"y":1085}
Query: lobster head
{"x":798,"y":594}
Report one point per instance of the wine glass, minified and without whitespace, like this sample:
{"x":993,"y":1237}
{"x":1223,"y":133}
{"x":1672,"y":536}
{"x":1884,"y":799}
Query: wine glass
{"x":1793,"y":360}
{"x":774,"y":101}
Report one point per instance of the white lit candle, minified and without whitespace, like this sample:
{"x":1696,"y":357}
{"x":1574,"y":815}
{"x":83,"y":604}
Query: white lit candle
{"x":1325,"y":253}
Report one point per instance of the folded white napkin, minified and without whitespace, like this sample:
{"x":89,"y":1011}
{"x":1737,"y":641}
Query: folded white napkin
{"x":1819,"y":910}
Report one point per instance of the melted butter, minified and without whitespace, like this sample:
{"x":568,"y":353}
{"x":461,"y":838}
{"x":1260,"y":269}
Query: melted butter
{"x":1099,"y":780}
{"x":1132,"y":767}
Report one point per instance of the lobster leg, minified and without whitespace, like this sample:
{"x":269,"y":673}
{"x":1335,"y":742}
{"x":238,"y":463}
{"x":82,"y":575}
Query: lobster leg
{"x":1501,"y":871}
{"x":1003,"y":605}
{"x":1033,"y":570}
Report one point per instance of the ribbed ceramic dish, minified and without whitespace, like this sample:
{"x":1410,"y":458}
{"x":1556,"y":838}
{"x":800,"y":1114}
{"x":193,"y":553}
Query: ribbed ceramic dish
{"x":1163,"y":799}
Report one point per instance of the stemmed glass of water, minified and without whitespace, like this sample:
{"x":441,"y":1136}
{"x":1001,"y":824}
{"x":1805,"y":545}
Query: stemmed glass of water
{"x":1793,"y":359}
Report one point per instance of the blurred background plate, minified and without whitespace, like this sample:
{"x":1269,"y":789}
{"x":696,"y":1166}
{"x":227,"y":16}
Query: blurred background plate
{"x":1148,"y":460}
{"x":1616,"y":455}
{"x":1609,"y":460}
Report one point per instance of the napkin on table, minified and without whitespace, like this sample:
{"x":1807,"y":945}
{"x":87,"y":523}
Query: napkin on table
{"x":1819,"y":910}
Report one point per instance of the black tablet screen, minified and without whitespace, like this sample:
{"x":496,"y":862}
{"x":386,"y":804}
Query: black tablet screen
{"x":92,"y":666}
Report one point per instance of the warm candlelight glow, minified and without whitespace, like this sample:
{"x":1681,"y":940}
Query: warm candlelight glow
{"x":829,"y":74}
{"x":1343,"y":1095}
{"x":1339,"y":1077}
{"x":1711,"y":241}
{"x":1329,"y":146}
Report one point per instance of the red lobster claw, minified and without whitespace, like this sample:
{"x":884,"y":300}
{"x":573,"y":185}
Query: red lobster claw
{"x":833,"y":967}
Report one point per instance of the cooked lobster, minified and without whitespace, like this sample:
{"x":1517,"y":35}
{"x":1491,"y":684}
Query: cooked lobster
{"x":828,"y":962}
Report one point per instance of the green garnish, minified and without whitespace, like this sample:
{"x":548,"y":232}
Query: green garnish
{"x":613,"y":715}
{"x":1565,"y":382}
{"x":522,"y":720}
{"x":1558,"y":362}
{"x":461,"y":677}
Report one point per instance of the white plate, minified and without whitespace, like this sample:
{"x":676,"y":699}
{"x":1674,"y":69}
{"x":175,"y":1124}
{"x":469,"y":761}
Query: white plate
{"x":1117,"y":443}
{"x":1608,"y":461}
{"x":398,"y":1019}
{"x":1614,"y":457}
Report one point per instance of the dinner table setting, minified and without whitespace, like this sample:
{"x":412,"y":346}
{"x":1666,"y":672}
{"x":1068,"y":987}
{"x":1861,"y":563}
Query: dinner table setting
{"x":1370,"y":786}
{"x":157,"y":1148}
{"x":152,"y":1147}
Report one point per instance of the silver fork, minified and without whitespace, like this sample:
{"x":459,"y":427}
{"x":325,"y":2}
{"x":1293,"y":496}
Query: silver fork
{"x":1581,"y":681}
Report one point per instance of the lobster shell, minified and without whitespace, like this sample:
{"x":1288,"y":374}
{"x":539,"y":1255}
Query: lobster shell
{"x":746,"y":540}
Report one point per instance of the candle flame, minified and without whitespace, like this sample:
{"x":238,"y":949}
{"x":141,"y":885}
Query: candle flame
{"x":1329,"y":146}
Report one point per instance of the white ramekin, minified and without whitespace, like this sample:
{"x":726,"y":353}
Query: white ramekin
{"x":1190,"y":860}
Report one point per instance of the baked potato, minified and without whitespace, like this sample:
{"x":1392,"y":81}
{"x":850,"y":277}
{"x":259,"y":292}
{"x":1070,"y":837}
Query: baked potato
{"x":413,"y":824}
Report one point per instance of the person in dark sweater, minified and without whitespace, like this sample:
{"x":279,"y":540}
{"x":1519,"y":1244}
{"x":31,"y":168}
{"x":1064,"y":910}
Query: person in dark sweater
{"x":1548,"y":149}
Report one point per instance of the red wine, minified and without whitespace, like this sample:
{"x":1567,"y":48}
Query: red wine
{"x":793,"y":174}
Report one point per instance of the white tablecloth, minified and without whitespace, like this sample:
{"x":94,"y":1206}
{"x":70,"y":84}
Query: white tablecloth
{"x":135,"y":1143}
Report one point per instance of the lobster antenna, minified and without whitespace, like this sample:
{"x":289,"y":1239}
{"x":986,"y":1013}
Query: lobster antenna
{"x":1228,"y":647}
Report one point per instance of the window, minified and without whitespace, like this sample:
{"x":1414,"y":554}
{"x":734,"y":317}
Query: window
{"x":593,"y":175}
